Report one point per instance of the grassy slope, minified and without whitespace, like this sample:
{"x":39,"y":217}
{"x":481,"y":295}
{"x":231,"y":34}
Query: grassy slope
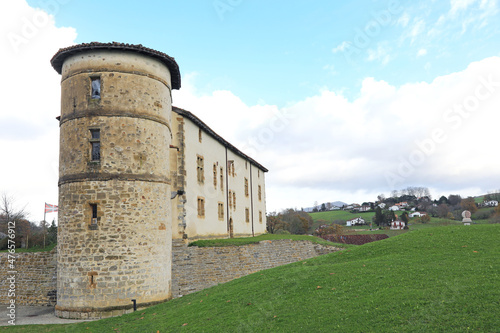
{"x":444,"y":279}
{"x":251,"y":240}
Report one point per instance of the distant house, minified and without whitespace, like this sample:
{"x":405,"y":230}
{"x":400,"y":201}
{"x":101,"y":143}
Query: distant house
{"x":402,"y":204}
{"x":397,"y":225}
{"x":418,"y":214}
{"x":364,"y":208}
{"x":355,"y":221}
{"x":491,"y":203}
{"x":335,"y":207}
{"x":394,"y":208}
{"x":382,"y":205}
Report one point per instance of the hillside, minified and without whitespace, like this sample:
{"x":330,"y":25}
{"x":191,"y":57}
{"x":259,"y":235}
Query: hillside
{"x":444,"y":279}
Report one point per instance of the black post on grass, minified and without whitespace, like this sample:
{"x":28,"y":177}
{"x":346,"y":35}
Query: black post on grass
{"x":135,"y":304}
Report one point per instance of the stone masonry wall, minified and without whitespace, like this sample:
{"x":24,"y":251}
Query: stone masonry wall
{"x":193,"y":268}
{"x":36,"y":278}
{"x":196,"y":268}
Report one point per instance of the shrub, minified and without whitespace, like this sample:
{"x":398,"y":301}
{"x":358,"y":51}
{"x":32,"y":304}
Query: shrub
{"x":282,"y":232}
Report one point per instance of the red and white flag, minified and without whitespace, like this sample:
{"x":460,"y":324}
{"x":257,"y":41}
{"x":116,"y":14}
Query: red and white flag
{"x":50,"y":208}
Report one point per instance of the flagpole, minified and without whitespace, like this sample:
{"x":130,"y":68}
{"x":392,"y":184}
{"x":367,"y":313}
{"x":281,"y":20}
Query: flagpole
{"x":44,"y":214}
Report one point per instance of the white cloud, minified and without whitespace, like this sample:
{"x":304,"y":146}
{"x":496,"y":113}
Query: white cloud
{"x":381,"y":53}
{"x":341,"y":47}
{"x":459,"y":5}
{"x":404,"y":20}
{"x":324,"y":147}
{"x":29,"y":132}
{"x":327,"y":147}
{"x":421,"y":52}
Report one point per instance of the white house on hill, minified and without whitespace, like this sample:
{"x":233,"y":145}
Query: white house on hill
{"x":491,"y":203}
{"x":355,"y":221}
{"x":418,"y":214}
{"x":397,"y":225}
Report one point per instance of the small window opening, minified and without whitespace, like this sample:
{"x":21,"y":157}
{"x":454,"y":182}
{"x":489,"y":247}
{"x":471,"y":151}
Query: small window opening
{"x":93,"y":219}
{"x":199,"y":169}
{"x":201,"y":207}
{"x":215,"y":176}
{"x":96,"y":88}
{"x":221,"y":179}
{"x":95,"y":142}
{"x":221,"y":210}
{"x":199,"y":134}
{"x":247,"y":215}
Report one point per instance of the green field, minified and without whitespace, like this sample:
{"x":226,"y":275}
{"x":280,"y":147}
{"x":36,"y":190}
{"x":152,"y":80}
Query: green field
{"x":251,"y":240}
{"x":444,"y":279}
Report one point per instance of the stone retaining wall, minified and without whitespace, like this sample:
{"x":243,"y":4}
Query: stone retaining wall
{"x":193,"y":268}
{"x":35,"y":278}
{"x":196,"y":268}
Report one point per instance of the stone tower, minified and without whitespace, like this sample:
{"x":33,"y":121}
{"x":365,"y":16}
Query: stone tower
{"x":114,"y":241}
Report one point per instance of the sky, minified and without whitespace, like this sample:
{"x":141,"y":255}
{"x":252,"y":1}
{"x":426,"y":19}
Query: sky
{"x":340,"y":100}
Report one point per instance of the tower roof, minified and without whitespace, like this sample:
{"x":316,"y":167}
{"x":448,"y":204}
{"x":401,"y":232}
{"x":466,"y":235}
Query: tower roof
{"x":61,"y":55}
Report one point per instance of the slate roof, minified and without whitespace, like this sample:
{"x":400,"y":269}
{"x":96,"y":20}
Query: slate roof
{"x":216,"y":136}
{"x":61,"y":55}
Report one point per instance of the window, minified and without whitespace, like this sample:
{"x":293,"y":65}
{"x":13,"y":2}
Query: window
{"x":199,"y":166}
{"x":260,"y":216}
{"x":93,"y":218}
{"x":247,"y":215}
{"x":221,"y":179}
{"x":95,"y":84}
{"x":201,"y":207}
{"x":246,"y":187}
{"x":246,"y":164}
{"x":221,"y":211}
{"x":199,"y":134}
{"x":260,"y":193}
{"x":230,"y":195}
{"x":215,"y":176}
{"x":95,"y":143}
{"x":234,"y":200}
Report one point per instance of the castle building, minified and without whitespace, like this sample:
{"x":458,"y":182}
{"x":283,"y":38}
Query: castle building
{"x":134,"y":174}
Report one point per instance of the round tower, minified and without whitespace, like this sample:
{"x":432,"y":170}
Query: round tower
{"x":114,"y":235}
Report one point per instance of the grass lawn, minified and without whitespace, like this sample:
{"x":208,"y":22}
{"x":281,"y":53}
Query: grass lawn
{"x":444,"y":279}
{"x":34,"y":249}
{"x":251,"y":240}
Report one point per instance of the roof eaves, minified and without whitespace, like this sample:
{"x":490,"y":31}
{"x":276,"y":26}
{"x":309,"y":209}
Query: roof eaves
{"x":216,"y":136}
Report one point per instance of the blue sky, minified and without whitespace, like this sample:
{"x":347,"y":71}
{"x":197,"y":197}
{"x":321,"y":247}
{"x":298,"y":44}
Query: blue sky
{"x":341,"y":100}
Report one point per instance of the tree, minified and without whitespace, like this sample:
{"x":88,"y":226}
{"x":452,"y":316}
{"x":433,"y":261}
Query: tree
{"x":52,"y":233}
{"x":425,"y":218}
{"x":469,"y":204}
{"x":323,"y":207}
{"x":443,"y":210}
{"x":381,"y":197}
{"x":378,"y":218}
{"x":493,"y":195}
{"x":8,"y":210}
{"x":454,"y":199}
{"x":404,"y":217}
{"x":275,"y":223}
{"x":443,"y":200}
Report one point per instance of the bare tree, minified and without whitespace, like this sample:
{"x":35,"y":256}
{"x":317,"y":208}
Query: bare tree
{"x":9,"y":212}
